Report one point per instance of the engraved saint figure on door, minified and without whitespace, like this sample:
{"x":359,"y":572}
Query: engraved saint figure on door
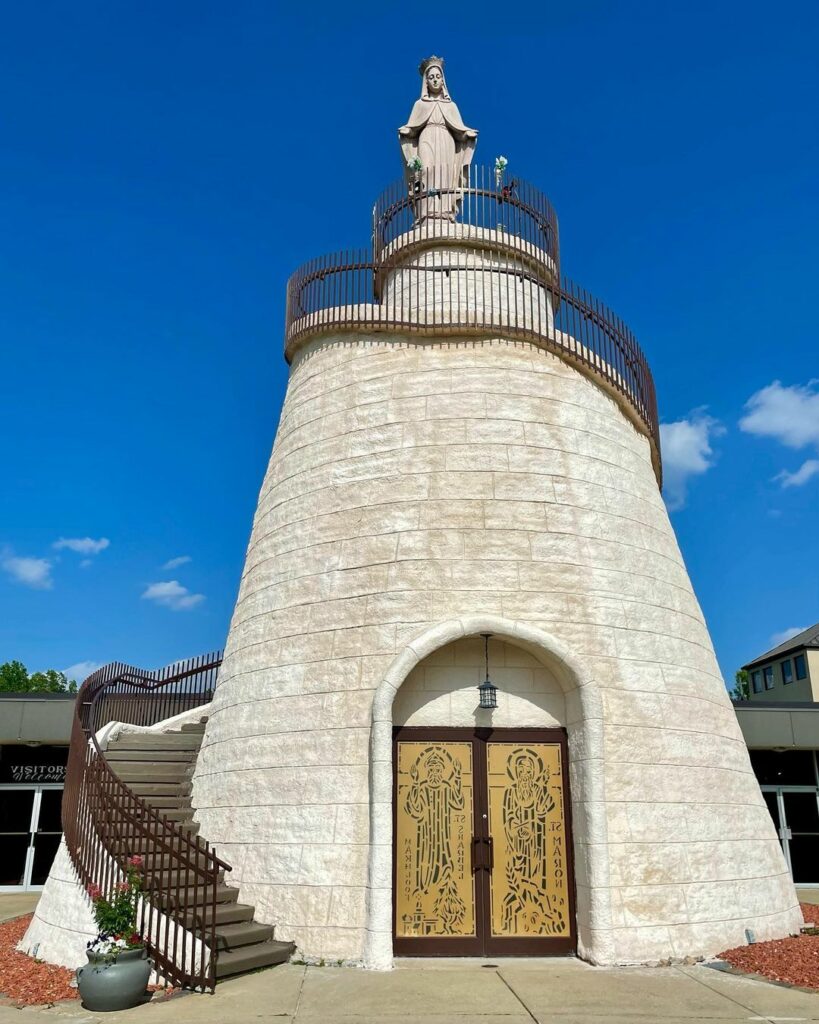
{"x":528,"y":809}
{"x":434,"y":801}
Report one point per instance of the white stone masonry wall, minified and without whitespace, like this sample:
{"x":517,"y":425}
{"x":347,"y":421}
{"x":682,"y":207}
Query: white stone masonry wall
{"x":417,"y":482}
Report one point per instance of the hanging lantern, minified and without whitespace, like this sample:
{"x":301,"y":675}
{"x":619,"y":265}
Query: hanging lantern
{"x":487,"y":690}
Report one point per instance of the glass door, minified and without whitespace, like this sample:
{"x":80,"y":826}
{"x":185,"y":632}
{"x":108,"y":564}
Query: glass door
{"x":30,"y":831}
{"x":16,"y":820}
{"x":802,"y":821}
{"x":795,"y":813}
{"x":46,"y":835}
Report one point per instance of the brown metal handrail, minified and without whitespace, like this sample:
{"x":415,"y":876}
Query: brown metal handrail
{"x":105,"y":821}
{"x":479,"y":202}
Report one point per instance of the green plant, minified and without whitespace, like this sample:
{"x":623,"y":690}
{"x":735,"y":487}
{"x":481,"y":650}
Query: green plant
{"x":742,"y":689}
{"x":14,"y":678}
{"x":115,"y":913}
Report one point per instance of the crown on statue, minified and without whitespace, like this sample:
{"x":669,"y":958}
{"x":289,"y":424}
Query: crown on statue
{"x":437,"y":61}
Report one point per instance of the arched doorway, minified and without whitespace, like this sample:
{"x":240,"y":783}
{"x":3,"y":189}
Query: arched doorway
{"x":444,"y":878}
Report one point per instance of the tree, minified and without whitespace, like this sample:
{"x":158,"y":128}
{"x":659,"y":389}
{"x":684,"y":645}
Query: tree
{"x":742,"y":688}
{"x":14,"y":678}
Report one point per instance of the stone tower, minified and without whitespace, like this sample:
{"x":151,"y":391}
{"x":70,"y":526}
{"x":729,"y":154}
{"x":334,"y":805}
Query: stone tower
{"x":469,"y":446}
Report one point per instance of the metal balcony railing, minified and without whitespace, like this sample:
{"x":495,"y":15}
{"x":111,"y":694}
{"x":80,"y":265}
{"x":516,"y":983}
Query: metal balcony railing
{"x":475,"y":204}
{"x":470,"y":253}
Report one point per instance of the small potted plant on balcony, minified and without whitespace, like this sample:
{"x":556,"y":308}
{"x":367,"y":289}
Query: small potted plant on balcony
{"x":117,"y":972}
{"x":416,"y":171}
{"x":501,"y":163}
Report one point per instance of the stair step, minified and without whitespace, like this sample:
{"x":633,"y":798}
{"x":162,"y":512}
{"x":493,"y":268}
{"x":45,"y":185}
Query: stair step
{"x":136,"y":771}
{"x":250,"y":958}
{"x":156,"y":861}
{"x":157,"y":741}
{"x":133,"y":754}
{"x":233,"y":913}
{"x":243,"y":933}
{"x":154,"y":771}
{"x":140,"y":843}
{"x":145,"y":790}
{"x":175,"y":879}
{"x":176,"y":814}
{"x":224,"y":894}
{"x":170,"y":803}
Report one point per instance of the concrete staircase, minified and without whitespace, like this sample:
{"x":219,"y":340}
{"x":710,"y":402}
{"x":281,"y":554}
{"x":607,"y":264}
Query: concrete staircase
{"x":158,"y":767}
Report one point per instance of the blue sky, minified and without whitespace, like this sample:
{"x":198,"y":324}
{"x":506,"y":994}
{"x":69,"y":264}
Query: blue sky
{"x":165,"y":166}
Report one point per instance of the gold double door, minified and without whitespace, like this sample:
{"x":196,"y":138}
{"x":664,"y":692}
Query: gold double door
{"x":482,"y":858}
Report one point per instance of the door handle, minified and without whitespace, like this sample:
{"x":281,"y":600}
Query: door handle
{"x":486,"y":863}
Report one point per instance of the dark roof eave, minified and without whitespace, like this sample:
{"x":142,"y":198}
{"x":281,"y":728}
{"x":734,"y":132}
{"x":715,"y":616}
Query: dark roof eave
{"x":35,"y":695}
{"x":770,"y":656}
{"x":776,"y":705}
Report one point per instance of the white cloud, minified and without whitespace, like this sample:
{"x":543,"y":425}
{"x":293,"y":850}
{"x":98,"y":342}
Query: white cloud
{"x":687,"y":452}
{"x":790,"y":415}
{"x":82,"y":670}
{"x":174,"y":563}
{"x":82,"y":545}
{"x":173,"y":595}
{"x":786,"y":634}
{"x":31,"y":572}
{"x":806,"y":472}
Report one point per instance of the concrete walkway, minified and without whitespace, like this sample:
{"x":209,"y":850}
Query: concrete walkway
{"x":462,"y":992}
{"x":15,"y":904}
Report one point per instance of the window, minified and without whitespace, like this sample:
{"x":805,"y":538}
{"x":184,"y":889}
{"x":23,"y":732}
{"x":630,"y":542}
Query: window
{"x":801,"y":668}
{"x":756,"y":681}
{"x":768,"y":673}
{"x":787,"y":672}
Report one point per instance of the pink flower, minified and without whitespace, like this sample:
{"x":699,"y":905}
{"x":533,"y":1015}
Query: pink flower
{"x":135,"y":861}
{"x":93,"y":891}
{"x":124,"y":887}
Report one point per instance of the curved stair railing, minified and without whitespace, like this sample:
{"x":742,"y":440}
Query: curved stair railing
{"x":105,"y":821}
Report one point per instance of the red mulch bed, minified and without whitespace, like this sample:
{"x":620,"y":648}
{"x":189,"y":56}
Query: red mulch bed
{"x":794,"y":961}
{"x":24,"y":980}
{"x":29,"y":982}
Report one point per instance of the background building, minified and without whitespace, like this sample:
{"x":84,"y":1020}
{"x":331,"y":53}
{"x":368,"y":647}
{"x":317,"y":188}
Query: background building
{"x":35,"y":729}
{"x":787,"y":672}
{"x":780,"y":723}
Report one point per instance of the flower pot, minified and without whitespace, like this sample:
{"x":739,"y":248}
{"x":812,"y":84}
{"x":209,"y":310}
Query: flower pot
{"x":114,"y":984}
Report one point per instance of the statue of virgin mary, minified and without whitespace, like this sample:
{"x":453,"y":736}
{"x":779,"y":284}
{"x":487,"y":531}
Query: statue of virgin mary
{"x":436,"y":137}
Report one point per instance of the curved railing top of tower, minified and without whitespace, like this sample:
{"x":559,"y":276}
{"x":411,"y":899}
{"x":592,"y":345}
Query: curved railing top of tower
{"x":475,"y":224}
{"x":466,"y":205}
{"x":346,"y":291}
